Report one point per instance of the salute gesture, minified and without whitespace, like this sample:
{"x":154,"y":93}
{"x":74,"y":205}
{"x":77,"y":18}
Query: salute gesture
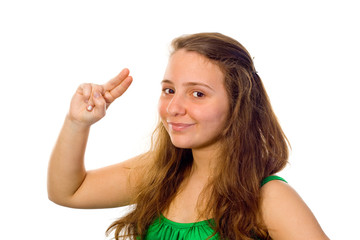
{"x":90,"y":101}
{"x":69,"y":183}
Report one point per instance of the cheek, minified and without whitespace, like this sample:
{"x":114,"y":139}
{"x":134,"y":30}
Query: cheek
{"x":211,"y":115}
{"x":162,"y":108}
{"x":217,"y":119}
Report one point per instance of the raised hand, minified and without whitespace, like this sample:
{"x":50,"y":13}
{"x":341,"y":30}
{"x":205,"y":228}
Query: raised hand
{"x":90,"y":101}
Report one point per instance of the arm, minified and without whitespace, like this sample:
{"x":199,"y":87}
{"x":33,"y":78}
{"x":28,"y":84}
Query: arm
{"x":69,"y":183}
{"x":286,"y":215}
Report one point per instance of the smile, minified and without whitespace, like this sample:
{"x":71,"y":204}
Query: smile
{"x":177,"y":127}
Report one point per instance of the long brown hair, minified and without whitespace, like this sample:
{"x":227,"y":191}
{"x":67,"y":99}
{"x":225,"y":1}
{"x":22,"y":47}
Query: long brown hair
{"x":253,"y":147}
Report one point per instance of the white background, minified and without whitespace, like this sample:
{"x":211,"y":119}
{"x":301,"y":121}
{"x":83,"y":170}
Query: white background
{"x":306,"y":52}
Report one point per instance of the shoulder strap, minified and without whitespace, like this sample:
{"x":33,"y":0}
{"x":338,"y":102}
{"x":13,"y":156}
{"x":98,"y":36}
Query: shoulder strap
{"x":271,"y":178}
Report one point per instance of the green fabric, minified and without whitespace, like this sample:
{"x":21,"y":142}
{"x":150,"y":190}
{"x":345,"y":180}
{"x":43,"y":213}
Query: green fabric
{"x":270,"y":178}
{"x":165,"y":229}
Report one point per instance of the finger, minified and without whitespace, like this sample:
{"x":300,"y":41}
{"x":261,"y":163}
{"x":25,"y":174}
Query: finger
{"x":97,"y":88}
{"x":100,"y":104}
{"x":96,"y":92}
{"x":113,"y":83}
{"x":85,"y":91}
{"x":110,"y":96}
{"x":86,"y":88}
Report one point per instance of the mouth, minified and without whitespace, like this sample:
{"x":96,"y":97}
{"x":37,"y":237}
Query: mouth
{"x":177,"y":127}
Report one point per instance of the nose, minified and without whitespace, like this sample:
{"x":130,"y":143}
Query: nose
{"x":176,"y":106}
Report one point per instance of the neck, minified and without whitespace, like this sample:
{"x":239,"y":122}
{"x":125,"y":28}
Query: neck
{"x":205,"y":161}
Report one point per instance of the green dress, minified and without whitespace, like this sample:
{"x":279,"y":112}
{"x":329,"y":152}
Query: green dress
{"x":165,"y":229}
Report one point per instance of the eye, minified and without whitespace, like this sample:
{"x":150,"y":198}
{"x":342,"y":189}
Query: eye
{"x":198,"y":94}
{"x":168,"y":91}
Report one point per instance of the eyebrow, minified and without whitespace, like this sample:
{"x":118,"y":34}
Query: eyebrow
{"x":189,"y":84}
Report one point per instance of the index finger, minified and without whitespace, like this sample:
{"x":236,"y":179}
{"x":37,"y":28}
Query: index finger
{"x":116,"y":81}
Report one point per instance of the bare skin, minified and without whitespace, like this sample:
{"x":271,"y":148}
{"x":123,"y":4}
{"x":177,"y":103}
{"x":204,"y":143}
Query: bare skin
{"x":70,"y":184}
{"x":286,"y":215}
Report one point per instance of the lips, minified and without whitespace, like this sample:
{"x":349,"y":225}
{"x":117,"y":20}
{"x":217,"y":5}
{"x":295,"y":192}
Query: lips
{"x":177,"y":127}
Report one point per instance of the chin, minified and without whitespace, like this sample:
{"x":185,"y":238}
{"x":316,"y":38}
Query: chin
{"x":190,"y":144}
{"x":181,"y":144}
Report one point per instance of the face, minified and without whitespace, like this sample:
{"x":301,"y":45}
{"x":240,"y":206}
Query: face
{"x":193,"y":105}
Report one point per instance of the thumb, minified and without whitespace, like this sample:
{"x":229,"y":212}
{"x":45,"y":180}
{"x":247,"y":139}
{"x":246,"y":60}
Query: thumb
{"x":99,"y":107}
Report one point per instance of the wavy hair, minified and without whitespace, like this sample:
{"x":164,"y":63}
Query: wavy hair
{"x":253,"y":147}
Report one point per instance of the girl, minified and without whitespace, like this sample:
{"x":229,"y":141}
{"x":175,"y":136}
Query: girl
{"x":210,"y":171}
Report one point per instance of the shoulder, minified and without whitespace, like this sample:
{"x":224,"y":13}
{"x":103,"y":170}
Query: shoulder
{"x":285,"y":214}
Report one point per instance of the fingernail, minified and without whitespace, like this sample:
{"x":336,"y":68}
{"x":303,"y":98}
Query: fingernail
{"x":96,"y":95}
{"x":89,"y":108}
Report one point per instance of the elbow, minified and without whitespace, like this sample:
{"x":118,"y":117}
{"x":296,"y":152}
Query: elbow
{"x":59,"y":199}
{"x":55,"y":199}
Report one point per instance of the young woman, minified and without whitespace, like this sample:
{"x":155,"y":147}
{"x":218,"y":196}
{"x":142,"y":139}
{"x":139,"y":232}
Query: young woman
{"x":210,"y":171}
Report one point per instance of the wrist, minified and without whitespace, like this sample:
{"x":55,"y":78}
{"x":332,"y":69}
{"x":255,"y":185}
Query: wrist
{"x":75,"y":124}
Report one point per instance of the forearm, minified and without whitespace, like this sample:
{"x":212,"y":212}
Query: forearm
{"x":68,"y":182}
{"x":66,"y":170}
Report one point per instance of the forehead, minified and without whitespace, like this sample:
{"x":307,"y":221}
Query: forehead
{"x":185,"y":66}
